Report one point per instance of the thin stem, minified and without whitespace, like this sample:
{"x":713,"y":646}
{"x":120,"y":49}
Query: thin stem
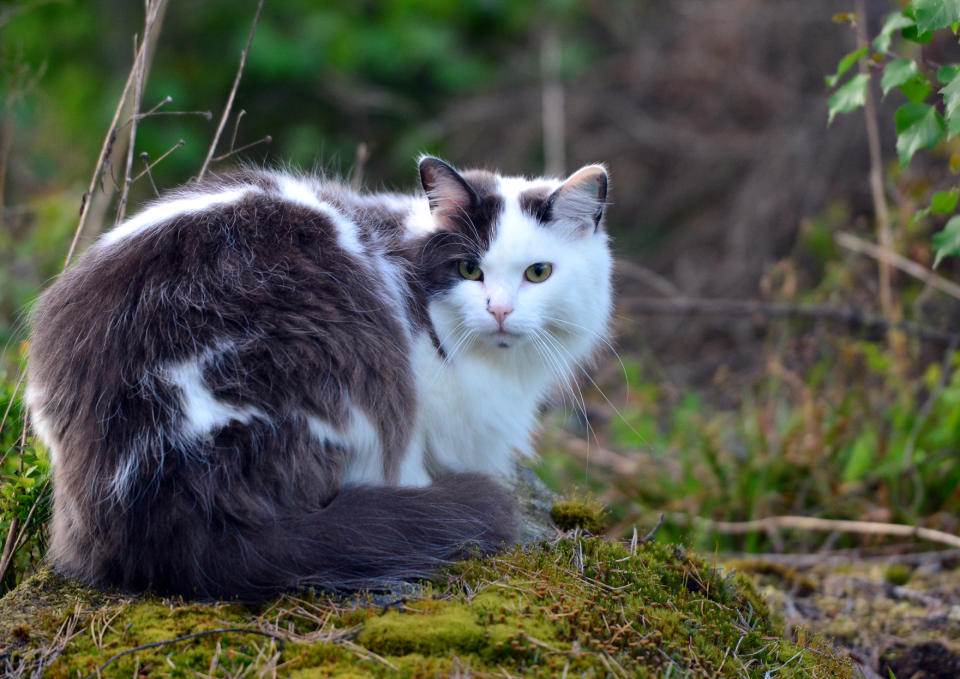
{"x":233,"y":93}
{"x":263,"y":140}
{"x":108,"y":140}
{"x":150,"y":166}
{"x":884,"y":233}
{"x":140,"y":67}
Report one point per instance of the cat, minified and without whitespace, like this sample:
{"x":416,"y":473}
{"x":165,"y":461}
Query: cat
{"x":265,"y":381}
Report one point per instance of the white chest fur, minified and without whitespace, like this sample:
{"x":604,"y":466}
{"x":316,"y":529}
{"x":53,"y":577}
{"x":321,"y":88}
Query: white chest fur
{"x":475,"y":414}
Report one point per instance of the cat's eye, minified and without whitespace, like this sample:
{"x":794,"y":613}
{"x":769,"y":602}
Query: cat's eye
{"x":538,"y":273}
{"x":470,"y":270}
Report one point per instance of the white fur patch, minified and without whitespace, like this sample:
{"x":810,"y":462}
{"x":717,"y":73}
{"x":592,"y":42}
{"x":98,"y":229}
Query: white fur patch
{"x":300,"y":192}
{"x":42,"y":425}
{"x":361,"y":440}
{"x":203,"y":413}
{"x":167,"y":210}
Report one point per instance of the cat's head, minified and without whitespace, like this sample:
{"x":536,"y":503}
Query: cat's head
{"x":517,"y":263}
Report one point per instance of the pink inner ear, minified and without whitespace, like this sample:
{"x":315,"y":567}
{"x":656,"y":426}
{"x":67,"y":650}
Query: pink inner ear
{"x":586,"y":178}
{"x":447,"y":191}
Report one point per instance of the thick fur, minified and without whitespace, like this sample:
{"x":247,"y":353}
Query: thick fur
{"x":240,"y":386}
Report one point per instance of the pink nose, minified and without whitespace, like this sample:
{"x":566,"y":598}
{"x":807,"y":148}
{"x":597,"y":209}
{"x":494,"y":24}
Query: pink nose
{"x":500,"y":312}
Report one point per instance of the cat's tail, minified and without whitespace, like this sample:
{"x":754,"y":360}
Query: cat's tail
{"x":369,"y":537}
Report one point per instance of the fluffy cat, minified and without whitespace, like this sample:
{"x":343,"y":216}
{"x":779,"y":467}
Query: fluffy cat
{"x":265,"y":381}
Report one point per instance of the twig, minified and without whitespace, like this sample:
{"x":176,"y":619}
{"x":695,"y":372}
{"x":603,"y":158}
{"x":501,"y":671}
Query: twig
{"x":150,"y":166}
{"x":263,"y":140}
{"x":8,"y":550}
{"x":909,"y":266}
{"x":236,"y":128}
{"x":736,"y":307}
{"x":359,"y":163}
{"x":185,"y":637}
{"x":552,"y":103}
{"x":816,"y":524}
{"x":13,"y":397}
{"x":846,"y":556}
{"x":659,"y":283}
{"x":140,"y":68}
{"x":233,"y":93}
{"x":145,"y":157}
{"x":884,"y":234}
{"x":107,"y":144}
{"x":653,"y":531}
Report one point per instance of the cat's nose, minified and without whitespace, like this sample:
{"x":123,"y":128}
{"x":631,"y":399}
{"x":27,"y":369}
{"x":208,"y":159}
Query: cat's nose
{"x":500,"y":312}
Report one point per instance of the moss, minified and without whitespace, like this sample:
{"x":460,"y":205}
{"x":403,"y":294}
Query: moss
{"x":580,"y":605}
{"x":897,"y":574}
{"x":587,"y":515}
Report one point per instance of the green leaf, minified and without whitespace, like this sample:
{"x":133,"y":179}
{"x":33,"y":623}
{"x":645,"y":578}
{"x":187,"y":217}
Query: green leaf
{"x":916,"y":89}
{"x":953,"y":128}
{"x":944,"y":202}
{"x":845,"y":65}
{"x":861,"y":459}
{"x":947,"y":73}
{"x":849,"y":97}
{"x":918,"y":127}
{"x":896,"y":73}
{"x":934,"y":14}
{"x":947,"y":242}
{"x":893,"y":22}
{"x":951,"y":96}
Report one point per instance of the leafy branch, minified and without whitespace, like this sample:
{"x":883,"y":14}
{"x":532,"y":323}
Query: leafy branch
{"x":931,"y":113}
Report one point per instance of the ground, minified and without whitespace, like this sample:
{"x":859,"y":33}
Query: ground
{"x":576,"y":605}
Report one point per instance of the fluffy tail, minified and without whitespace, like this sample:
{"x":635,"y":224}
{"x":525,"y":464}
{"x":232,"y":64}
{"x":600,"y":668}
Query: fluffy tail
{"x":368,"y":537}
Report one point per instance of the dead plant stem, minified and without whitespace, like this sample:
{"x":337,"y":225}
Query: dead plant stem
{"x":233,"y":93}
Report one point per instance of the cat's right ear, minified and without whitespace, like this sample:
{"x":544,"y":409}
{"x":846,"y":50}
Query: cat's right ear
{"x":449,"y":193}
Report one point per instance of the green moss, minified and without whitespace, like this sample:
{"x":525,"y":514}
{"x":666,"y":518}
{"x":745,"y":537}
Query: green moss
{"x":571,"y":514}
{"x":581,"y":605}
{"x":897,"y":574}
{"x":452,"y":628}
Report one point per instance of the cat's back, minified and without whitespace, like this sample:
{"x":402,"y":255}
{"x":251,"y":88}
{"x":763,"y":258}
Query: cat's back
{"x":247,"y":285}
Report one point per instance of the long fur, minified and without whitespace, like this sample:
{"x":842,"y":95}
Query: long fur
{"x":257,"y":383}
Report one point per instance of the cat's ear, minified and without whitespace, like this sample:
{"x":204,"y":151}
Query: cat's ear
{"x":449,"y":193}
{"x":580,"y":200}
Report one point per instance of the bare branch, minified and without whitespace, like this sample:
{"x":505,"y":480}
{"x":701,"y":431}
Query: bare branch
{"x":233,"y":93}
{"x":263,"y":140}
{"x":884,"y":234}
{"x":149,"y":167}
{"x":140,"y":68}
{"x":852,"y":318}
{"x":103,"y":160}
{"x":812,"y":523}
{"x":359,"y":163}
{"x":236,"y":128}
{"x":908,"y":266}
{"x":145,"y":157}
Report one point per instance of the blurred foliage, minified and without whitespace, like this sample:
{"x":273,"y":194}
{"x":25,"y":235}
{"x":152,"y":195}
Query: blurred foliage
{"x":919,"y":77}
{"x":24,"y":492}
{"x":828,"y":424}
{"x":321,"y":79}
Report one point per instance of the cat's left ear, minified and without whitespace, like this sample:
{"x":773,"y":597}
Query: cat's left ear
{"x":449,"y":194}
{"x":580,"y":200}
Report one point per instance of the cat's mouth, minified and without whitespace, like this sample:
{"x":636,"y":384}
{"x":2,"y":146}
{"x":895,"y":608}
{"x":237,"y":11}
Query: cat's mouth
{"x":504,"y":338}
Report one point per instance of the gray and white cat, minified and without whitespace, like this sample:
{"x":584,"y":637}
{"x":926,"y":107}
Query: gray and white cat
{"x":265,"y":380}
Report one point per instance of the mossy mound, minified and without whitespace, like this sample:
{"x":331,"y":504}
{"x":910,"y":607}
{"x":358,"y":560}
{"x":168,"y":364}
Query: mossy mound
{"x":578,"y":606}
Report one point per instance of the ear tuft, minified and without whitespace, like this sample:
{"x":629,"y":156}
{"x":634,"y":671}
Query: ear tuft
{"x":582,"y":197}
{"x":449,"y":193}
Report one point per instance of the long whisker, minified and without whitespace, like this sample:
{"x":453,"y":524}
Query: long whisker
{"x":605,"y":398}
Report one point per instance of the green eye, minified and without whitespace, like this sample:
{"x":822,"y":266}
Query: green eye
{"x":470,"y":270}
{"x":538,"y":273}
